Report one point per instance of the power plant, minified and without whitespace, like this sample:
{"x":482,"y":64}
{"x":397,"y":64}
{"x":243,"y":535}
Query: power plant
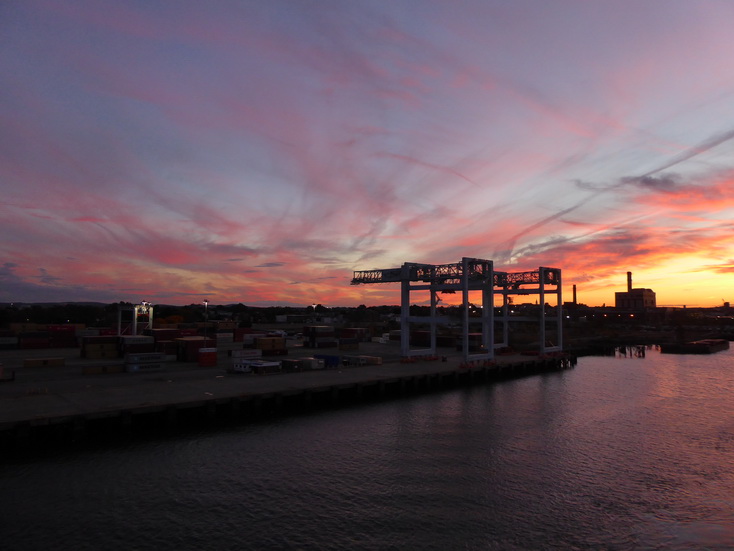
{"x":634,"y":299}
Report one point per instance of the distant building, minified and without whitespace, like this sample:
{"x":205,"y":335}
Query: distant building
{"x":634,"y":299}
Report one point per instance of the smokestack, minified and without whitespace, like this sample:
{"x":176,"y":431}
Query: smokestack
{"x":629,"y":281}
{"x":574,"y":294}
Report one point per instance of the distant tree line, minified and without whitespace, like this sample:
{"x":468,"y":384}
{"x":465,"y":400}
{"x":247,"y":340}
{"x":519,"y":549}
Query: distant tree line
{"x":106,"y":315}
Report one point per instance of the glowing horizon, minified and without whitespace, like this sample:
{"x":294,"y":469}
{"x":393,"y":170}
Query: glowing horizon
{"x":260,"y":152}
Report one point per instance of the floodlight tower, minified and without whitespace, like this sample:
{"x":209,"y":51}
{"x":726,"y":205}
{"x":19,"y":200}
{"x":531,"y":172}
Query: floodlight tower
{"x":145,"y":308}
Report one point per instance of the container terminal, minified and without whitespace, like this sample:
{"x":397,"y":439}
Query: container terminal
{"x":159,"y":376}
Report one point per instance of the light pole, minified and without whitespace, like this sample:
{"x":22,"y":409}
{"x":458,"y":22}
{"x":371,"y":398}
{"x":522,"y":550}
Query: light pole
{"x":206,"y":317}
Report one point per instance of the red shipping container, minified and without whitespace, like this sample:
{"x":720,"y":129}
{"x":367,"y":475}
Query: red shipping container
{"x":207,"y":357}
{"x":33,"y":343}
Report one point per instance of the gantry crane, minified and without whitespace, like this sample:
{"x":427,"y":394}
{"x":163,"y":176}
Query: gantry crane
{"x":471,"y":274}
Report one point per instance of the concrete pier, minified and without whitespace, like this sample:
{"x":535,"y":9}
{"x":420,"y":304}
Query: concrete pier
{"x":48,"y":404}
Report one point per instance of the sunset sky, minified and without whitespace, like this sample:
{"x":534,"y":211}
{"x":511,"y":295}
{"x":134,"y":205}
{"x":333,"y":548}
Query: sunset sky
{"x":259,"y":151}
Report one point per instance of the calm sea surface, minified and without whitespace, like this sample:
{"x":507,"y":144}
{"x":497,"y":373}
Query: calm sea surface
{"x":618,"y":453}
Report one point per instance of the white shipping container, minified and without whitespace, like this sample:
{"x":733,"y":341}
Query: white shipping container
{"x":137,"y":368}
{"x":144,"y":357}
{"x":136,"y":339}
{"x":312,"y":363}
{"x":247,"y":366}
{"x":242,"y":353}
{"x":242,"y":366}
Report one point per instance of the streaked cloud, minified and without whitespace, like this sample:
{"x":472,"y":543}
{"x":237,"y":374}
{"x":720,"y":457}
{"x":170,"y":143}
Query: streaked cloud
{"x":259,"y":152}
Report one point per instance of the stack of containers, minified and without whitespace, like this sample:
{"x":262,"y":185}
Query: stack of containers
{"x":225,"y":326}
{"x":62,"y":336}
{"x":34,"y":339}
{"x":167,"y":348}
{"x":167,"y":334}
{"x":205,"y":328}
{"x":187,"y":348}
{"x":319,"y":336}
{"x":8,"y":340}
{"x":87,"y":332}
{"x":164,"y":339}
{"x":271,"y":346}
{"x":248,"y":339}
{"x":142,"y":362}
{"x":224,"y":338}
{"x":103,"y":346}
{"x":136,"y":344}
{"x":226,"y":343}
{"x":240,"y":333}
{"x":242,"y":356}
{"x":360,"y":333}
{"x":25,"y":327}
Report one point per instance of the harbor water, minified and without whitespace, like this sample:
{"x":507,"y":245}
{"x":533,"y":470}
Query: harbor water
{"x":624,"y":452}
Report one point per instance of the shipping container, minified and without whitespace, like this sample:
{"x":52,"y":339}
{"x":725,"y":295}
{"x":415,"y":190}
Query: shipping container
{"x":44,"y":362}
{"x":313,"y":363}
{"x":330,"y":361}
{"x":224,"y":337}
{"x":144,"y":368}
{"x":64,"y":340}
{"x":246,"y":353}
{"x":207,"y":357}
{"x":187,"y":348}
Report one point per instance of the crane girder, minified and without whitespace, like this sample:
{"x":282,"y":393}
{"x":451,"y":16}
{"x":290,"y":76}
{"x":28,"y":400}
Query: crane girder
{"x":477,"y":270}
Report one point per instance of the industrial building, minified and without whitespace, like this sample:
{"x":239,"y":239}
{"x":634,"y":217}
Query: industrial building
{"x":634,"y":299}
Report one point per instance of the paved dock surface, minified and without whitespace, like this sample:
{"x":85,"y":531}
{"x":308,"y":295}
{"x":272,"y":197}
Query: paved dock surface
{"x":60,"y":394}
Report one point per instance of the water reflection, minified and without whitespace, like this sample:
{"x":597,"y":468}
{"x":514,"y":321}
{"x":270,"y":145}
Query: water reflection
{"x":623,"y":452}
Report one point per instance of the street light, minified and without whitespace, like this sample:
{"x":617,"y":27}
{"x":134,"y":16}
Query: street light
{"x":206,"y":317}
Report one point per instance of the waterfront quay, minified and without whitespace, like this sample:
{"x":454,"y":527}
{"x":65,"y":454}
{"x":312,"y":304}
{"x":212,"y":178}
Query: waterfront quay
{"x":56,"y":396}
